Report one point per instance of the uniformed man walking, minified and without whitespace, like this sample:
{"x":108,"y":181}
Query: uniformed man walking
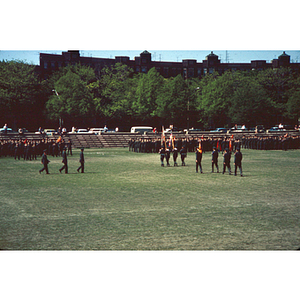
{"x":226,"y":161}
{"x":214,"y":159}
{"x":238,"y":161}
{"x":198,"y":160}
{"x":81,"y":160}
{"x":45,"y":162}
{"x":64,"y":161}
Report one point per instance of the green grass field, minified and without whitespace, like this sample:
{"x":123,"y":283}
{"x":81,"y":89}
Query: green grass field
{"x":127,"y":201}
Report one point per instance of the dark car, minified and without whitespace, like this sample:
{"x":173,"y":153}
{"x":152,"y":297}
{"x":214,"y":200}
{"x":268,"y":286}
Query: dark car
{"x":220,"y":129}
{"x":8,"y":130}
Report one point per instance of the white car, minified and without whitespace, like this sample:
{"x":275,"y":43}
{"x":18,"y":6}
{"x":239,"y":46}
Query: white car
{"x":96,"y":130}
{"x":82,"y":131}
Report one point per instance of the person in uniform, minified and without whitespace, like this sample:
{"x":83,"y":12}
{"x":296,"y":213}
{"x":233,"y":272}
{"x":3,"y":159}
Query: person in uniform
{"x":81,"y":160}
{"x":183,"y":154}
{"x":226,"y":161}
{"x":238,"y":161}
{"x":45,"y":162}
{"x":167,"y":156}
{"x":64,"y":161}
{"x":162,"y":153}
{"x":198,"y":159}
{"x":175,"y":155}
{"x":214,"y":159}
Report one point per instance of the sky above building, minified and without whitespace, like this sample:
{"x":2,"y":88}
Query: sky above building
{"x":233,"y":56}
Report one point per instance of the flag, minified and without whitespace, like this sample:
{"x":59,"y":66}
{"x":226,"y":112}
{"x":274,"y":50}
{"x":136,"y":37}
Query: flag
{"x":171,"y":141}
{"x":230,"y":145}
{"x":200,"y":146}
{"x":162,"y":140}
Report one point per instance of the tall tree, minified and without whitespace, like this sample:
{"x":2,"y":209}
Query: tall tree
{"x":72,"y":99}
{"x":19,"y":93}
{"x":147,"y":92}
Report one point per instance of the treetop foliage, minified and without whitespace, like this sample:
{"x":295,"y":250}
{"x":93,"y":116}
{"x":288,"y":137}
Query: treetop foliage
{"x":119,"y":97}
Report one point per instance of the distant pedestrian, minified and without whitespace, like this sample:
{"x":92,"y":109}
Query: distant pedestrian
{"x":238,"y":161}
{"x":45,"y":162}
{"x":64,"y":161}
{"x":81,"y":160}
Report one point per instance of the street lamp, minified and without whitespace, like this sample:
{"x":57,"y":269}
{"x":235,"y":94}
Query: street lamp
{"x":60,"y":119}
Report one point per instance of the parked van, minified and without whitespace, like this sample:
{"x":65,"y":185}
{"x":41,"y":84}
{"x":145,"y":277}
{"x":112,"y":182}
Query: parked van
{"x":141,"y":129}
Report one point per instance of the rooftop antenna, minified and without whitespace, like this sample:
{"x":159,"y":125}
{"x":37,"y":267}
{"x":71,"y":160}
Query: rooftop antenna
{"x":226,"y":57}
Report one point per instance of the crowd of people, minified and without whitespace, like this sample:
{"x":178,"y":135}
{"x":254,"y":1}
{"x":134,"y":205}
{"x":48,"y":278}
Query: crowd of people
{"x":179,"y":147}
{"x":30,"y":149}
{"x":282,"y":142}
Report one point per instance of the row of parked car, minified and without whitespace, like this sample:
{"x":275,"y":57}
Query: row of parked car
{"x":145,"y":129}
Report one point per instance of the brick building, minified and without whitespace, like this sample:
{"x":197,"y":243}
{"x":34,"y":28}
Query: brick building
{"x":189,"y":68}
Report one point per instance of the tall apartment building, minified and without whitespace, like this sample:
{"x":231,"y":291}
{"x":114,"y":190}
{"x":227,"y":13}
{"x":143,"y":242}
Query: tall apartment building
{"x":188,"y":68}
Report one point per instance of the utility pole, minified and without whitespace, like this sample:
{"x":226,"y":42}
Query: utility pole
{"x":60,"y":119}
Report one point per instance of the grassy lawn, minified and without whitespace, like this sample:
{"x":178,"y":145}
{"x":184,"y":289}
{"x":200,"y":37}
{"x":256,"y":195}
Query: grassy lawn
{"x":126,"y":201}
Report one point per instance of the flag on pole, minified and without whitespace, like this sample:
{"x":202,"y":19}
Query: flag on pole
{"x":171,"y":141}
{"x":162,"y":140}
{"x":231,"y":144}
{"x":200,"y":146}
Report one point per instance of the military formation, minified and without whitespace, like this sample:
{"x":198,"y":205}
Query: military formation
{"x":174,"y":147}
{"x":25,"y":149}
{"x":171,"y":149}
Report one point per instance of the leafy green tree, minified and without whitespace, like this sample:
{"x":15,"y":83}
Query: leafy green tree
{"x":172,"y":102}
{"x":19,"y":93}
{"x":148,"y":90}
{"x":277,"y":83}
{"x":114,"y":93}
{"x":72,"y":99}
{"x":293,"y":103}
{"x":250,"y":104}
{"x":215,"y":99}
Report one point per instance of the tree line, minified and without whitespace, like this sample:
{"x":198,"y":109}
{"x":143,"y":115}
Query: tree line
{"x":75,"y":96}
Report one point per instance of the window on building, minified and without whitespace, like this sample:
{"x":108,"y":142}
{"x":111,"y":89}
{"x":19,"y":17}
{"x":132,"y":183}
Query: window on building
{"x":45,"y":65}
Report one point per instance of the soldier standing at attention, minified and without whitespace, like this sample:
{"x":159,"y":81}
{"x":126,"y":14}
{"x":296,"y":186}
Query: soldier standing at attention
{"x":238,"y":161}
{"x":214,"y":159}
{"x":64,"y":161}
{"x":81,"y":160}
{"x":226,"y":161}
{"x":45,"y":162}
{"x":198,"y":160}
